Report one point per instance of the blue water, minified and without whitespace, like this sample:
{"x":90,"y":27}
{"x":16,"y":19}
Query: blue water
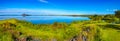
{"x":46,"y":19}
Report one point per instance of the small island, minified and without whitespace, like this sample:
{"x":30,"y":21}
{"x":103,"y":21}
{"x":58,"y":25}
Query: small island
{"x":24,"y":14}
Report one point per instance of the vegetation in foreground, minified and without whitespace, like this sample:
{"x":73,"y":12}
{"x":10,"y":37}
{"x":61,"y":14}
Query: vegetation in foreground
{"x":99,"y":28}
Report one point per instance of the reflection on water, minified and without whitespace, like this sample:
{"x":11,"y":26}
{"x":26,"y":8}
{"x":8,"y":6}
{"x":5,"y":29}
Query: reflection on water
{"x":45,"y":19}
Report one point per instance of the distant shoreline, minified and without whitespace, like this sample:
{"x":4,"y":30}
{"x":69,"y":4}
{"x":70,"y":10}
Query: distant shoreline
{"x":52,"y":15}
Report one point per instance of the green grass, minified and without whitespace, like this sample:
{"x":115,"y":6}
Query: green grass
{"x":93,"y":30}
{"x":110,"y":34}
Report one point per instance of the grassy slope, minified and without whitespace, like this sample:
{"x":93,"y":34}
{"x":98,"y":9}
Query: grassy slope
{"x":110,"y":34}
{"x":93,"y":30}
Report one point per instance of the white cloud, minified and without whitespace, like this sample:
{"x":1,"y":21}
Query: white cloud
{"x":111,"y":10}
{"x":44,"y":1}
{"x":38,"y":11}
{"x":45,"y":11}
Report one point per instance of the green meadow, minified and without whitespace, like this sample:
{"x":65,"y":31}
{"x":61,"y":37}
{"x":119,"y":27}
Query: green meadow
{"x":98,"y":28}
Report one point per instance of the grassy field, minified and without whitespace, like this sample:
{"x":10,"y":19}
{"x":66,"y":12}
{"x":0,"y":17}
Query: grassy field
{"x":20,"y":30}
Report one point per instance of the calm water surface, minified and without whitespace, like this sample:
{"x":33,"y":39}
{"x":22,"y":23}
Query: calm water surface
{"x":46,"y":19}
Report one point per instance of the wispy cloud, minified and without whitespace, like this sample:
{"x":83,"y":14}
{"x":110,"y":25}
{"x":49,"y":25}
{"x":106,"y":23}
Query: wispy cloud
{"x":46,"y":11}
{"x":111,"y":10}
{"x":44,"y":1}
{"x":38,"y":11}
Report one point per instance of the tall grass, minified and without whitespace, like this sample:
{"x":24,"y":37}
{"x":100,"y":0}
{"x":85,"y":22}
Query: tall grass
{"x":13,"y":29}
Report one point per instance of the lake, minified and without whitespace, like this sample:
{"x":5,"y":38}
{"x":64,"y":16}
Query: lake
{"x":46,"y":19}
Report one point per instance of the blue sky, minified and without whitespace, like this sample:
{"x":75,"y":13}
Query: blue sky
{"x":58,"y":7}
